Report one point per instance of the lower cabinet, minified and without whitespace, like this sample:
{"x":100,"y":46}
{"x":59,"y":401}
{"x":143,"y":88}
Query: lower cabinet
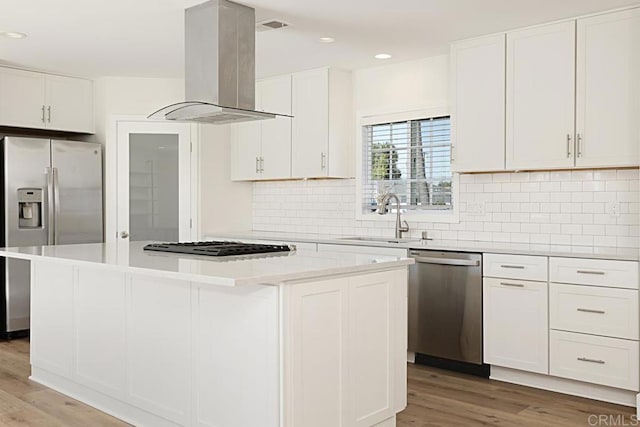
{"x":515,"y":324}
{"x":352,"y":357}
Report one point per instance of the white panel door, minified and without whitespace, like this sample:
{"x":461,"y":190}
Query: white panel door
{"x":153,"y":182}
{"x":608,"y":90}
{"x":515,"y":324}
{"x":246,"y":141}
{"x":310,"y":135}
{"x":100,"y":330}
{"x":69,"y":104}
{"x":276,"y":133}
{"x":371,"y":348}
{"x":236,"y":367}
{"x":318,"y":326}
{"x":22,"y":102}
{"x":159,"y":346}
{"x":478,"y":99}
{"x":52,"y":317}
{"x":540,"y":97}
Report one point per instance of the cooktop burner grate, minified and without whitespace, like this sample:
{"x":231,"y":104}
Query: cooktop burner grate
{"x":213,"y":248}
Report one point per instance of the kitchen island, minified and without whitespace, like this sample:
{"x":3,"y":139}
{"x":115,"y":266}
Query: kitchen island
{"x":290,"y":339}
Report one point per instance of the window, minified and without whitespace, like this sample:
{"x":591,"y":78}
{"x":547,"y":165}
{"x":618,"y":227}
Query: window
{"x":411,"y":159}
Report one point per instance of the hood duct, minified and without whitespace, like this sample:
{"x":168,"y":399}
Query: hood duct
{"x":219,"y":66}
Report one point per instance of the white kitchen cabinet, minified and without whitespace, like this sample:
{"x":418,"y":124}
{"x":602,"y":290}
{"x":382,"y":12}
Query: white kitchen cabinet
{"x":351,"y":357}
{"x":608,"y":90}
{"x":540,"y":97}
{"x":516,"y":324}
{"x":44,"y":101}
{"x":69,"y":104}
{"x":322,"y":135}
{"x":261,"y":149}
{"x":22,"y":98}
{"x":478,"y":104}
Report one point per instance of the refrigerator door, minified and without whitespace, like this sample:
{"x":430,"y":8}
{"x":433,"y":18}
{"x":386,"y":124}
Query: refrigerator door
{"x":25,"y":167}
{"x":77,"y":182}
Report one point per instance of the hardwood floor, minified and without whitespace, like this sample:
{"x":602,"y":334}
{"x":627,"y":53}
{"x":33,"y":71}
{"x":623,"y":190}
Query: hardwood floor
{"x":443,"y":398}
{"x":436,"y":398}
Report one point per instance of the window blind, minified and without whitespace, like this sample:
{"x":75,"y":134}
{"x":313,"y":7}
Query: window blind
{"x":411,"y":159}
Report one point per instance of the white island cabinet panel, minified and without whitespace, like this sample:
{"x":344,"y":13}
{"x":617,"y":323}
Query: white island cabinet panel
{"x":236,"y":368}
{"x":158,"y":346}
{"x":318,"y":355}
{"x":52,"y":317}
{"x":100,"y":330}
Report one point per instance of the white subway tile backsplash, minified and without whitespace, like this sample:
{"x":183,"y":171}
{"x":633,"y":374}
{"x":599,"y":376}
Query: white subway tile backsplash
{"x":568,"y":208}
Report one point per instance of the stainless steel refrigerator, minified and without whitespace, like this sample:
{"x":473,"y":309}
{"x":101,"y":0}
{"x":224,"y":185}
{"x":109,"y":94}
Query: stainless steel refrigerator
{"x":51,"y":195}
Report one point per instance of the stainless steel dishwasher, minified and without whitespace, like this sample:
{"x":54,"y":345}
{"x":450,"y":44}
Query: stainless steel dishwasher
{"x":445,"y":305}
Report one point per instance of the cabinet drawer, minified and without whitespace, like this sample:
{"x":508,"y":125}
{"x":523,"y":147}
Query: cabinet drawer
{"x":594,"y":310}
{"x":515,"y":267}
{"x":595,"y":272}
{"x":607,"y":361}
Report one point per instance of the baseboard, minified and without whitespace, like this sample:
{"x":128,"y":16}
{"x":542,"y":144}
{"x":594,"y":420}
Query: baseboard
{"x":389,"y":422}
{"x":109,"y":405}
{"x":566,"y":386}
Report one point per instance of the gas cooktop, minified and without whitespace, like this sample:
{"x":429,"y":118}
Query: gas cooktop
{"x":217,"y":249}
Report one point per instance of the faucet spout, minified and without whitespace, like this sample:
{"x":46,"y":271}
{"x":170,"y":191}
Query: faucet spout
{"x":401,"y":226}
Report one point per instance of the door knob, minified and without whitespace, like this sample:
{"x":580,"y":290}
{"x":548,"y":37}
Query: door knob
{"x":124,"y":234}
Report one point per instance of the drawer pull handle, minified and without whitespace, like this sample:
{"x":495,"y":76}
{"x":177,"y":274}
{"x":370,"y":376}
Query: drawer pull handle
{"x":585,"y":359}
{"x":515,"y":285}
{"x":587,"y":310}
{"x":518,"y":267}
{"x":599,"y":273}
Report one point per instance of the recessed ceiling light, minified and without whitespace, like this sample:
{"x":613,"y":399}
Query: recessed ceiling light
{"x":12,"y":35}
{"x":383,"y":56}
{"x":327,"y":39}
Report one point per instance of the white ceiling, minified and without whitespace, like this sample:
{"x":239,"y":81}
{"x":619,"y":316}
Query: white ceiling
{"x":144,"y":38}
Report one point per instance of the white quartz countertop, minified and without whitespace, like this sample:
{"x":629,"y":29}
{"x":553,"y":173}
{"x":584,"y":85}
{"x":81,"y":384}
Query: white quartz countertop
{"x":269,"y":269}
{"x":623,"y":254}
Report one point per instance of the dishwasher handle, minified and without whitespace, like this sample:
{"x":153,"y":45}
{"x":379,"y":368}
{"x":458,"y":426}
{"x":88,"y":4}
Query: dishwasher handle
{"x":447,"y":261}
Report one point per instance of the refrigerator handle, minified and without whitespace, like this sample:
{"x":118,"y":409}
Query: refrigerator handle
{"x":50,"y":216}
{"x":56,"y":204}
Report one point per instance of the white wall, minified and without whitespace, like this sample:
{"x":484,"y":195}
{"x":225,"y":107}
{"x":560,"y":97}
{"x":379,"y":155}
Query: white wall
{"x":139,"y":97}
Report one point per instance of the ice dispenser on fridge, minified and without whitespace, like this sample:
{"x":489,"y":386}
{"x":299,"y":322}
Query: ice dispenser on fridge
{"x":29,"y":208}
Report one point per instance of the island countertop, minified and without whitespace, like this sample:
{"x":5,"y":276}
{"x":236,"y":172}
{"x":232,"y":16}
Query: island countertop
{"x":266,"y":269}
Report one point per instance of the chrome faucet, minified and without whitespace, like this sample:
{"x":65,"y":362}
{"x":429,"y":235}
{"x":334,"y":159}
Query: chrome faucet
{"x":383,"y":201}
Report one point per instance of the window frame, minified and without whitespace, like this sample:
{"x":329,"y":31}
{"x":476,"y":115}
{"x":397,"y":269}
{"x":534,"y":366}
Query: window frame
{"x":365,"y":118}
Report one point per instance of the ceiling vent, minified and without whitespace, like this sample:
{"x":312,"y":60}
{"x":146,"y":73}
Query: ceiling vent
{"x":270,"y":24}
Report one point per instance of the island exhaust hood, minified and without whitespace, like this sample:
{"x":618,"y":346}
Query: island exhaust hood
{"x":219,"y":66}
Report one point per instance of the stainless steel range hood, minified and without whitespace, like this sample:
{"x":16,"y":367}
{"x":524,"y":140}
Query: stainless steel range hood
{"x":219,"y":66}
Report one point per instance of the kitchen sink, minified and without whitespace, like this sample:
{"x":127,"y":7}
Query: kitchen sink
{"x":378,"y":239}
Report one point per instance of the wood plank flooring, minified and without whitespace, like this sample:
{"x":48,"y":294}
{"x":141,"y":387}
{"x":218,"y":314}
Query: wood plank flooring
{"x":436,"y":398}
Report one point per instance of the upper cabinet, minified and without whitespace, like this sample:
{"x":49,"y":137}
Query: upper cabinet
{"x":44,"y":101}
{"x":316,"y":143}
{"x":261,"y":150}
{"x":572,"y":96}
{"x":322,"y":136}
{"x":608,"y":90}
{"x":478,"y":104}
{"x":541,"y":97}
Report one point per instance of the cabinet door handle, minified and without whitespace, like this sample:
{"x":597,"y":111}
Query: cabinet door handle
{"x":261,"y":164}
{"x":586,"y":359}
{"x":568,"y":145}
{"x":42,"y":114}
{"x":257,"y":165}
{"x":451,"y":154}
{"x":588,"y":310}
{"x":323,"y":161}
{"x":49,"y":113}
{"x":597,"y":273}
{"x":517,"y":267}
{"x":515,"y":285}
{"x":579,"y":143}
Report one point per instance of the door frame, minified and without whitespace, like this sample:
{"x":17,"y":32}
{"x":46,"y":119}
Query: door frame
{"x":111,"y":175}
